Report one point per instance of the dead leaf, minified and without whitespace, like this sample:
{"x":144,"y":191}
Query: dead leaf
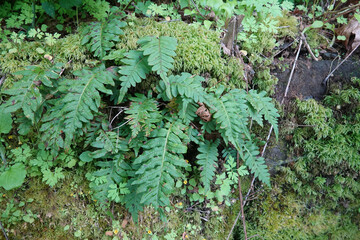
{"x":352,"y":33}
{"x":108,"y":233}
{"x":203,"y":112}
{"x":124,"y":223}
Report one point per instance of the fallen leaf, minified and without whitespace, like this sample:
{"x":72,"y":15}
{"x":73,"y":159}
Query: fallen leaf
{"x":352,"y":33}
{"x":108,"y":233}
{"x":124,"y":223}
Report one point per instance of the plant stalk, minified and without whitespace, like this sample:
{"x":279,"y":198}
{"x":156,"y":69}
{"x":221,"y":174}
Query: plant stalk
{"x":3,"y":229}
{"x":241,"y":197}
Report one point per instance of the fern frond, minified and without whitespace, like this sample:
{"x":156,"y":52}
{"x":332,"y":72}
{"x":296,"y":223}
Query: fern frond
{"x":187,"y":109}
{"x":207,"y":160}
{"x":113,"y":169}
{"x":160,"y":164}
{"x":25,"y":93}
{"x":161,"y":52}
{"x":81,"y":102}
{"x":99,"y":37}
{"x":185,"y":85}
{"x":230,"y":115}
{"x":133,"y":72}
{"x":143,"y":114}
{"x":256,"y":164}
{"x":261,"y":106}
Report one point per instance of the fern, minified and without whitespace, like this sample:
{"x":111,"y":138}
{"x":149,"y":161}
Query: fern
{"x":161,"y":52}
{"x":113,"y":168}
{"x":256,"y":164}
{"x":260,"y":106}
{"x":26,"y":95}
{"x":207,"y":159}
{"x":133,"y":72}
{"x":80,"y":103}
{"x":160,"y":164}
{"x":143,"y":114}
{"x":99,"y":37}
{"x":230,"y":115}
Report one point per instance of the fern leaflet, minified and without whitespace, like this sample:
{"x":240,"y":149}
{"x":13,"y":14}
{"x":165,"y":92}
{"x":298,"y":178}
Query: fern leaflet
{"x":143,"y":114}
{"x":112,"y":175}
{"x":160,"y":163}
{"x":260,"y":106}
{"x":207,"y":159}
{"x":161,"y":52}
{"x":25,"y":94}
{"x":99,"y":37}
{"x":80,"y":103}
{"x":135,"y":70}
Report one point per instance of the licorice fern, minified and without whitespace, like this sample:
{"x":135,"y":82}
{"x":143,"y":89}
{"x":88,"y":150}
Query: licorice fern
{"x":26,"y":93}
{"x":133,"y":72}
{"x":110,"y":180}
{"x":207,"y":160}
{"x":143,"y":114}
{"x":78,"y":106}
{"x":160,"y":163}
{"x":161,"y":51}
{"x":99,"y":37}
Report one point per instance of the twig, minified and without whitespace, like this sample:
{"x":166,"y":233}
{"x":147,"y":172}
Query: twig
{"x":3,"y":229}
{"x":2,"y":79}
{"x":241,"y":202}
{"x":292,"y":72}
{"x":123,"y":124}
{"x":277,"y":53}
{"x":198,"y":9}
{"x":331,"y":73}
{"x":308,"y":47}
{"x":115,"y":117}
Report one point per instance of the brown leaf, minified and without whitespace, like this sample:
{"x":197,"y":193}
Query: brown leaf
{"x":352,"y":33}
{"x":124,"y":223}
{"x":203,"y":112}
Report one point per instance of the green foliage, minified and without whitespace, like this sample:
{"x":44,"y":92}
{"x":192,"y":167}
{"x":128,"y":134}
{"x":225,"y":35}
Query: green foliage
{"x":143,"y":115}
{"x":197,"y":51}
{"x":13,"y":177}
{"x":133,"y":72}
{"x":330,"y":162}
{"x":207,"y":159}
{"x":78,"y":106}
{"x":100,"y":37}
{"x":25,"y":94}
{"x":160,"y":163}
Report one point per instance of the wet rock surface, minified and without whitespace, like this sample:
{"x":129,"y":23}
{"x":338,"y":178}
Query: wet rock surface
{"x":308,"y":77}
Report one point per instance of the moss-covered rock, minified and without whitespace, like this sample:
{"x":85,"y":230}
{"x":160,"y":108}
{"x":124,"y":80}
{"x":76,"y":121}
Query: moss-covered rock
{"x":198,"y":50}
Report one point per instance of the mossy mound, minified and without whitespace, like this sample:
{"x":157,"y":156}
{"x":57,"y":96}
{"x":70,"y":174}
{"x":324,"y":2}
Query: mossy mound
{"x":14,"y":57}
{"x":198,"y":51}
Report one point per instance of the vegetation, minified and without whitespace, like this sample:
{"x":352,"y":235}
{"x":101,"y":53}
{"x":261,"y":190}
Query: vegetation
{"x":131,"y":116}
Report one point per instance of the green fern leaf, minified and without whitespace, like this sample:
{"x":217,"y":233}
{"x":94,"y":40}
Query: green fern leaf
{"x":256,"y":164}
{"x":160,"y":164}
{"x":207,"y":160}
{"x":99,"y":37}
{"x":185,"y":85}
{"x":261,"y":106}
{"x":133,"y":72}
{"x":80,"y":103}
{"x":230,"y":115}
{"x":113,"y":169}
{"x":25,"y":94}
{"x":161,"y":52}
{"x":143,"y":114}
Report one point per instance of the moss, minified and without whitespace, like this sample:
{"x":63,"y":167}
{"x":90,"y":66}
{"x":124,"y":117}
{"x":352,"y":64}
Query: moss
{"x":288,"y":26}
{"x":198,"y":50}
{"x":64,"y":50}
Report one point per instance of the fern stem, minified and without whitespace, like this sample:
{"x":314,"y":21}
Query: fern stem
{"x":240,"y":195}
{"x":2,"y":228}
